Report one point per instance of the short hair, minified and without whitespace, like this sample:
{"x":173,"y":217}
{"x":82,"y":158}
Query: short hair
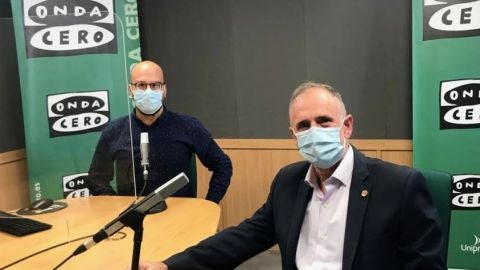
{"x":311,"y":84}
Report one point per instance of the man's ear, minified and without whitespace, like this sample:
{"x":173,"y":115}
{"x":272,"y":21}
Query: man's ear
{"x":348,"y":126}
{"x":292,"y":132}
{"x":130,"y":91}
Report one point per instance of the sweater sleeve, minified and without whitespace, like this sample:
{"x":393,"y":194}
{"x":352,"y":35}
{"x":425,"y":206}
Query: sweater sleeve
{"x":101,"y":169}
{"x":212,"y":157}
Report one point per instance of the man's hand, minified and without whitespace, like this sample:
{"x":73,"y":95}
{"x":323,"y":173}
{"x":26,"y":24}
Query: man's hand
{"x":151,"y":266}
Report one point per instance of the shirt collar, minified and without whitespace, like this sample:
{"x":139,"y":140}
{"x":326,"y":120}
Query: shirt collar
{"x":344,"y":170}
{"x":343,"y":173}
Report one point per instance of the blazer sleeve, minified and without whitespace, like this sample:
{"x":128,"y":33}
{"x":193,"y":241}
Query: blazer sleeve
{"x":232,"y":246}
{"x":421,"y":238}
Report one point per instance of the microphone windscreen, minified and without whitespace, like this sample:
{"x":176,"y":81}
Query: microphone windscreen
{"x":144,"y":137}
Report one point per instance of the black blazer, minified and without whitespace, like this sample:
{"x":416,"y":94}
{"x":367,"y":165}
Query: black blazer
{"x":393,"y":227}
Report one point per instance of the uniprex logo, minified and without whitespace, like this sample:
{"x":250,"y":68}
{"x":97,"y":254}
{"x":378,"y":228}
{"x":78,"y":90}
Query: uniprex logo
{"x":466,"y":192}
{"x":474,"y":248}
{"x":59,"y":27}
{"x":76,"y":113}
{"x":75,"y":185}
{"x":450,"y":18}
{"x":460,"y":104}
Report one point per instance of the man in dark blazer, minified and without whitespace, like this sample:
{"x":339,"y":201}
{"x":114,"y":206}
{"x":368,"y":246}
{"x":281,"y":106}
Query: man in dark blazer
{"x":382,"y":215}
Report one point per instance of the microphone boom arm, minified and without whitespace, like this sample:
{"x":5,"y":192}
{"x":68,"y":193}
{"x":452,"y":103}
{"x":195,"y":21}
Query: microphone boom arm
{"x":135,"y":213}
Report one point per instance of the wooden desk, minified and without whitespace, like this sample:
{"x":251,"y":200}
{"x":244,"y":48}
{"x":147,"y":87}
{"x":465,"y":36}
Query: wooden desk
{"x":185,"y":222}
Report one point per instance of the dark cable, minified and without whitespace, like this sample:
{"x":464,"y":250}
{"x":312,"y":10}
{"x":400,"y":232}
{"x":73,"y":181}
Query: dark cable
{"x":143,"y":189}
{"x":134,"y":183}
{"x":44,"y":250}
{"x":64,"y":261}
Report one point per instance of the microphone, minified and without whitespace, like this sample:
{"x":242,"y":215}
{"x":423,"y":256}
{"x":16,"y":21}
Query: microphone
{"x":144,"y":149}
{"x":154,"y":198}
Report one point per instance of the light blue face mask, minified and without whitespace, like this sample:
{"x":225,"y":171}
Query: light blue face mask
{"x":148,"y":101}
{"x":321,"y":146}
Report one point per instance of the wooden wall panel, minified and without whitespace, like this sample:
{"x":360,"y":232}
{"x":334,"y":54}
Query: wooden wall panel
{"x":256,"y":161}
{"x":13,"y":180}
{"x":398,"y":157}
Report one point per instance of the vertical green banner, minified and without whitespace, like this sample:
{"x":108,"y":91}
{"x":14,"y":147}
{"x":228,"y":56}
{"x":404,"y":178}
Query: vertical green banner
{"x":446,"y":112}
{"x":74,"y":58}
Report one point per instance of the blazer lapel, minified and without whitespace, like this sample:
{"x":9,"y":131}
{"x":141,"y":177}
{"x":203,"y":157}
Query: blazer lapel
{"x":360,"y":189}
{"x":304,"y":195}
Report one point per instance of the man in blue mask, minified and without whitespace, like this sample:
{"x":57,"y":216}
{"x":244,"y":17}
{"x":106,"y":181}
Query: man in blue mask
{"x":173,"y":140}
{"x":337,"y":210}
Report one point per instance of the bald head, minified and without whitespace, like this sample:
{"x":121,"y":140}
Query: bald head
{"x":147,"y":71}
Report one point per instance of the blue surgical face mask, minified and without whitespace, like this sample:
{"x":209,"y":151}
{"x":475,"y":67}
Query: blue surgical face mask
{"x":148,"y":101}
{"x":321,"y":146}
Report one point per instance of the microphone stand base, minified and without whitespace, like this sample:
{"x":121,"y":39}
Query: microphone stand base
{"x":161,"y":206}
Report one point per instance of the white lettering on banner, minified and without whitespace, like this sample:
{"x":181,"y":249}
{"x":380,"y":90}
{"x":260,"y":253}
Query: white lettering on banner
{"x":38,"y":190}
{"x":131,"y":30}
{"x":469,"y":248}
{"x":474,"y":248}
{"x":131,"y":20}
{"x":135,"y":54}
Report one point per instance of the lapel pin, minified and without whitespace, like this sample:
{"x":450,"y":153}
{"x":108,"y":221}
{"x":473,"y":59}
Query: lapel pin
{"x":364,"y":193}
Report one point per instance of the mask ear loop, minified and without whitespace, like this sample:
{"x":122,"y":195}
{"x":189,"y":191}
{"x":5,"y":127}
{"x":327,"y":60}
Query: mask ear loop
{"x":345,"y":141}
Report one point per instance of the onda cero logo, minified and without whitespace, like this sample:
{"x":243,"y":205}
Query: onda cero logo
{"x":450,"y":19}
{"x":460,"y":104}
{"x":75,"y":185}
{"x":59,"y":27}
{"x":75,"y":113}
{"x":466,"y":192}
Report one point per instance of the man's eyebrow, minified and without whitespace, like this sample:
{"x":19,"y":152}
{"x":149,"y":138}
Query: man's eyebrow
{"x":302,"y":124}
{"x":323,"y":119}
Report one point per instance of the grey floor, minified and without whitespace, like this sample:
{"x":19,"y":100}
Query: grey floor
{"x":268,"y":260}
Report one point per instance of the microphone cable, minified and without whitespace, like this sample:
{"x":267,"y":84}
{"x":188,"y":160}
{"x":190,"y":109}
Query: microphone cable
{"x":82,"y":248}
{"x":145,"y":179}
{"x":134,"y":183}
{"x":64,"y":261}
{"x":45,"y":250}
